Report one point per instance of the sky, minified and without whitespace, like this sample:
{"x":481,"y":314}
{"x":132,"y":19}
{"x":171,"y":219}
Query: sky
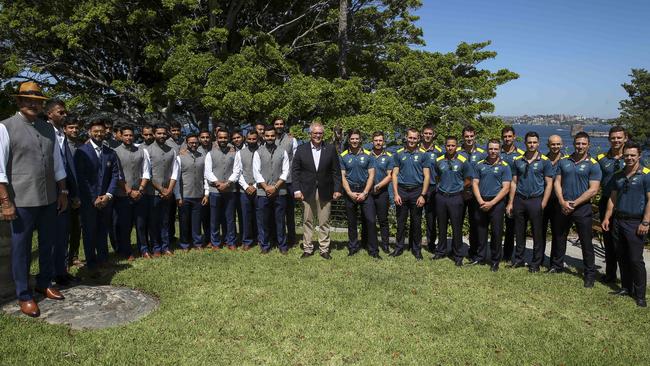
{"x":571,"y":56}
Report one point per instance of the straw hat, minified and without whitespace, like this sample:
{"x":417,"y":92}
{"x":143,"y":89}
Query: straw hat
{"x":30,"y":90}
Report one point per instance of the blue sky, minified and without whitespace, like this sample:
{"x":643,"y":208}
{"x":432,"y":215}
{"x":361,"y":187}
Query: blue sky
{"x":572,"y":56}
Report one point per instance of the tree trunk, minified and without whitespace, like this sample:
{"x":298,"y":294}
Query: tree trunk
{"x":343,"y":38}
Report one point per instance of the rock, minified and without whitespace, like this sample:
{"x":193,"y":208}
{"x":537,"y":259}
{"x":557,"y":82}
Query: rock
{"x":93,"y":307}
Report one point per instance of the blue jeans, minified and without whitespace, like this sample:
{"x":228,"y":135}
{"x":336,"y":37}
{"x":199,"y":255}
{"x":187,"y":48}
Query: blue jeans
{"x":222,"y":209}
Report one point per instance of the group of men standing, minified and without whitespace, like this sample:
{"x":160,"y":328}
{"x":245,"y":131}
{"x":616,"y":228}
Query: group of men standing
{"x":52,"y":182}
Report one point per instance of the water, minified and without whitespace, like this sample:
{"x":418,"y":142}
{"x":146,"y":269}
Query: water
{"x":598,"y":144}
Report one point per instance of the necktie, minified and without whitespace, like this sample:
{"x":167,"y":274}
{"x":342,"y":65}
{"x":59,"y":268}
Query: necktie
{"x":99,"y":152}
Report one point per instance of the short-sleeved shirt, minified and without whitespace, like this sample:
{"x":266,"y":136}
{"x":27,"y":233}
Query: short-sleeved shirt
{"x":384,"y":163}
{"x":491,"y":176}
{"x":434,"y":151}
{"x":509,"y":157}
{"x":556,"y":165}
{"x":411,"y":166}
{"x":475,"y":156}
{"x":631,"y":193}
{"x":609,"y":165}
{"x":577,"y":175}
{"x":531,"y":177}
{"x":356,"y":166}
{"x":452,"y":173}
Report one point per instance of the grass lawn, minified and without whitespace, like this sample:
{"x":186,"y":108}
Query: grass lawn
{"x":244,"y":308}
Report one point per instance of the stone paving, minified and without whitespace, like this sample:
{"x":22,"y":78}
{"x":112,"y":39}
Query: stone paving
{"x":93,"y":307}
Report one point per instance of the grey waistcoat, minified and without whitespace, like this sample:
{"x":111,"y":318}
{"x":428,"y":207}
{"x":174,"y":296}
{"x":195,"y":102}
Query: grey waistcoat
{"x":131,"y":161}
{"x":271,"y":168}
{"x":30,"y":167}
{"x":286,"y":142}
{"x":191,"y":175}
{"x":162,"y":164}
{"x":246,"y":156}
{"x":222,"y":165}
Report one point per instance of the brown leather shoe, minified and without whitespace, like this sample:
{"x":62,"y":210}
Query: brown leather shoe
{"x":246,"y":248}
{"x":50,"y":293}
{"x":168,"y":253}
{"x":146,"y":255}
{"x":29,"y":308}
{"x":232,"y":247}
{"x":130,"y":258}
{"x":156,"y":254}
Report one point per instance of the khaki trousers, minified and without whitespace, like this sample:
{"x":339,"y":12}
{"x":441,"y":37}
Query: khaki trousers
{"x":314,"y":207}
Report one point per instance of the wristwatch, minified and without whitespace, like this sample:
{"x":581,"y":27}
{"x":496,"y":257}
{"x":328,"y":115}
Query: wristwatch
{"x":645,"y":223}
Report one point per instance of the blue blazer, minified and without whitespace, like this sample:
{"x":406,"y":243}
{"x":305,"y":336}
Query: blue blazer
{"x":94,"y":177}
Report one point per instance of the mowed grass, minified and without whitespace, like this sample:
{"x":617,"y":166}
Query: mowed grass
{"x":245,"y":308}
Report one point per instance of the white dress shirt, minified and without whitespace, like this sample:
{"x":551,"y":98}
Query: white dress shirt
{"x":238,"y":170}
{"x":146,"y":166}
{"x":315,"y":154}
{"x":4,"y":153}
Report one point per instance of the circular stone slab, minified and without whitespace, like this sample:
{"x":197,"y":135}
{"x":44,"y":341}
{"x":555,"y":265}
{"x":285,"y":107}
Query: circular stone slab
{"x":93,"y":307}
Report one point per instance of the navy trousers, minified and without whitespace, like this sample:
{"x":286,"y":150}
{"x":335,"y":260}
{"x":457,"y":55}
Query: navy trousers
{"x":290,"y":216}
{"x":508,"y":236}
{"x":205,"y":223}
{"x":130,"y":213}
{"x":381,"y":207}
{"x":61,"y":235}
{"x":430,"y":217}
{"x":190,"y":223}
{"x":249,"y":230}
{"x":610,"y":248}
{"x":42,"y":219}
{"x":406,"y":210}
{"x":222,"y":209}
{"x":95,"y":225}
{"x":523,"y":211}
{"x":369,"y":223}
{"x":158,"y":224}
{"x":494,"y":219}
{"x":629,"y":246}
{"x":239,"y":215}
{"x":471,"y":206}
{"x":582,"y":217}
{"x":449,"y":209}
{"x":266,"y":206}
{"x":75,"y":235}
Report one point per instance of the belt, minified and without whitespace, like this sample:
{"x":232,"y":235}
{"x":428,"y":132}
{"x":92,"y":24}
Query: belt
{"x":527,"y":197}
{"x":445,"y":194}
{"x":356,"y":187}
{"x":623,"y":216}
{"x":488,"y":198}
{"x":409,"y":188}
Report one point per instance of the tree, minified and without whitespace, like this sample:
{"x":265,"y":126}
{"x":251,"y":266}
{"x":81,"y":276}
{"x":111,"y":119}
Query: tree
{"x":635,"y":111}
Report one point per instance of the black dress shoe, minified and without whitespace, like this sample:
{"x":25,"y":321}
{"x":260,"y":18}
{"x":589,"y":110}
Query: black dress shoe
{"x":475,"y":262}
{"x":326,"y":255}
{"x":385,"y":249}
{"x":396,"y":253}
{"x":376,"y":256}
{"x":533,"y":269}
{"x":589,"y":283}
{"x":306,"y":255}
{"x":418,"y":256}
{"x":608,"y":279}
{"x":494,"y":267}
{"x":621,"y":292}
{"x":353,"y":252}
{"x":516,"y":265}
{"x":459,"y":263}
{"x":265,"y":251}
{"x":555,"y":270}
{"x":641,"y":303}
{"x":437,"y":256}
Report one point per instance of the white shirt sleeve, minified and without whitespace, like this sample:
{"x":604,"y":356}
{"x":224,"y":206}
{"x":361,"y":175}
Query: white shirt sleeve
{"x":177,"y":189}
{"x":4,"y":153}
{"x":236,"y":169}
{"x":294,"y":147}
{"x":59,"y":168}
{"x":146,"y":166}
{"x":206,"y":187}
{"x":207,"y":170}
{"x":239,"y":167}
{"x":285,"y":166}
{"x":257,"y":169}
{"x":175,"y":168}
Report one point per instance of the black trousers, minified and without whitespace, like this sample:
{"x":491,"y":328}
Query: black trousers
{"x":524,"y":210}
{"x":369,"y":223}
{"x":508,"y":237}
{"x":430,"y":217}
{"x":582,"y":217}
{"x":449,"y":209}
{"x":550,"y":221}
{"x":381,"y":207}
{"x":75,"y":236}
{"x":410,"y":209}
{"x":494,"y":219}
{"x":610,"y":248}
{"x":471,"y":206}
{"x":629,"y":247}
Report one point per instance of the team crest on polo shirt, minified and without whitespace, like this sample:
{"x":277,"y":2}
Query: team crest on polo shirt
{"x":383,"y":160}
{"x":350,"y":161}
{"x":582,"y":167}
{"x":454,"y":168}
{"x":362,"y":159}
{"x":496,"y":169}
{"x":108,"y":164}
{"x":415,"y":158}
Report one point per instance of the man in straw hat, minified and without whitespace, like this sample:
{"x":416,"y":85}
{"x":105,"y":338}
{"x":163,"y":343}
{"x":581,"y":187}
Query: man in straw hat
{"x":34,"y":169}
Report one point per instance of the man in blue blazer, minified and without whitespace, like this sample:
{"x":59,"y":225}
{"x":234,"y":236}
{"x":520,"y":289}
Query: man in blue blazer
{"x":97,"y":176}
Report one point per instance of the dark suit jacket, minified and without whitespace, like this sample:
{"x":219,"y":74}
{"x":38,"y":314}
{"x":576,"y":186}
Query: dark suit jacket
{"x":306,"y":179}
{"x":94,"y":177}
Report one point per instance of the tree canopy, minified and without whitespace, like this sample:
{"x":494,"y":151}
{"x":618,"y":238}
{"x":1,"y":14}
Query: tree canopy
{"x":241,"y":61}
{"x":635,"y":111}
